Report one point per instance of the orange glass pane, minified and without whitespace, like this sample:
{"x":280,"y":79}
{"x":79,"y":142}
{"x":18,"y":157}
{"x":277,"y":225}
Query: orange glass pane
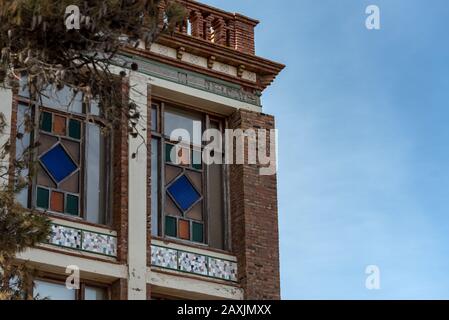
{"x":183,"y":229}
{"x":59,"y":125}
{"x":57,"y":201}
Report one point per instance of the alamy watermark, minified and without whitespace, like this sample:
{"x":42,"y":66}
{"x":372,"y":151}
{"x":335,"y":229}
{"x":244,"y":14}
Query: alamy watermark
{"x":372,"y":281}
{"x":72,"y":282}
{"x":234,"y":146}
{"x":372,"y":22}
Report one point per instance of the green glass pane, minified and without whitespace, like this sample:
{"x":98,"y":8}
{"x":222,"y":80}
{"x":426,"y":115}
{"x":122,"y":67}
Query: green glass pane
{"x":196,"y":160}
{"x":42,"y":198}
{"x":74,"y":129}
{"x":168,"y":149}
{"x":46,"y":121}
{"x":197,"y":232}
{"x":170,"y":226}
{"x":72,"y":206}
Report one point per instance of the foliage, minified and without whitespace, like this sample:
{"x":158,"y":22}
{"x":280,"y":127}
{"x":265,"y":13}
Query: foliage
{"x":36,"y":46}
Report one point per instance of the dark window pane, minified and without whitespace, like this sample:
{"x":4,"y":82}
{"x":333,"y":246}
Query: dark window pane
{"x":197,"y":232}
{"x":170,"y":226}
{"x":46,"y":122}
{"x":74,"y":129}
{"x":183,"y":193}
{"x":72,"y":205}
{"x":42,"y":198}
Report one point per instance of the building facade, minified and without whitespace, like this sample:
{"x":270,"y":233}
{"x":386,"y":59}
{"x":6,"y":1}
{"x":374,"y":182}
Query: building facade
{"x":146,"y":218}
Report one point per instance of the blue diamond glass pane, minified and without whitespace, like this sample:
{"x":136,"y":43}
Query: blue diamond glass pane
{"x":58,"y":163}
{"x":184,"y":193}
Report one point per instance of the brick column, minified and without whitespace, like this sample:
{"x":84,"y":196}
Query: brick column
{"x":119,"y":290}
{"x":120,"y":179}
{"x":244,"y":34}
{"x":254,"y":218}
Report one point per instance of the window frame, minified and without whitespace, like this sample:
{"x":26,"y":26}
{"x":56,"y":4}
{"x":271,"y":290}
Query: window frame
{"x":79,"y":293}
{"x":36,"y":110}
{"x":206,"y":117}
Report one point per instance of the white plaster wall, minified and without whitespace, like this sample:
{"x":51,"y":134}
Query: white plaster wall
{"x":137,"y":191}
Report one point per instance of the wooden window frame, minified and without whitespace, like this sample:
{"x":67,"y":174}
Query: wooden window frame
{"x":206,"y":117}
{"x":36,"y":110}
{"x":80,"y":293}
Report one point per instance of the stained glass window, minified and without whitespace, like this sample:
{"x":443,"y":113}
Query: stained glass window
{"x":183,"y":185}
{"x":72,"y":158}
{"x":59,"y":164}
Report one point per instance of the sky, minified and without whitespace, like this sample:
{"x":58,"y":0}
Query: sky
{"x":363,"y":144}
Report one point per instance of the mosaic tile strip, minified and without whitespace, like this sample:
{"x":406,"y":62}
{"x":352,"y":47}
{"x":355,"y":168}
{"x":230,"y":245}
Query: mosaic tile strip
{"x":99,"y":243}
{"x":65,"y":237}
{"x":193,"y":263}
{"x":194,"y":80}
{"x":222,"y":269}
{"x":163,"y":257}
{"x":83,"y":240}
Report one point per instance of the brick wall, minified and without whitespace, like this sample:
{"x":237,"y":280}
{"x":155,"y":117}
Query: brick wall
{"x":223,"y":28}
{"x":120,"y":179}
{"x":244,"y":35}
{"x":254,"y":219}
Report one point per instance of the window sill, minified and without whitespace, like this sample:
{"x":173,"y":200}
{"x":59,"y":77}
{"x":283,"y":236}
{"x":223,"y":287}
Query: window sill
{"x":79,"y":223}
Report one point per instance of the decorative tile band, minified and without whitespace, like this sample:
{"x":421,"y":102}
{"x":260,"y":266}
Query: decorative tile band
{"x":193,"y":263}
{"x":192,"y":79}
{"x":78,"y":239}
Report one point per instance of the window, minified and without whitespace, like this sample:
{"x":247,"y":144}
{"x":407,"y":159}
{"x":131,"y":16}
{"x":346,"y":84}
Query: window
{"x":188,"y":197}
{"x":72,"y":159}
{"x":57,"y":290}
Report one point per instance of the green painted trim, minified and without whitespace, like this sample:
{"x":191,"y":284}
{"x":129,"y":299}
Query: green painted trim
{"x":208,"y":78}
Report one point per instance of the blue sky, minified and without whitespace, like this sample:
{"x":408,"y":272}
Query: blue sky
{"x":364,"y":153}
